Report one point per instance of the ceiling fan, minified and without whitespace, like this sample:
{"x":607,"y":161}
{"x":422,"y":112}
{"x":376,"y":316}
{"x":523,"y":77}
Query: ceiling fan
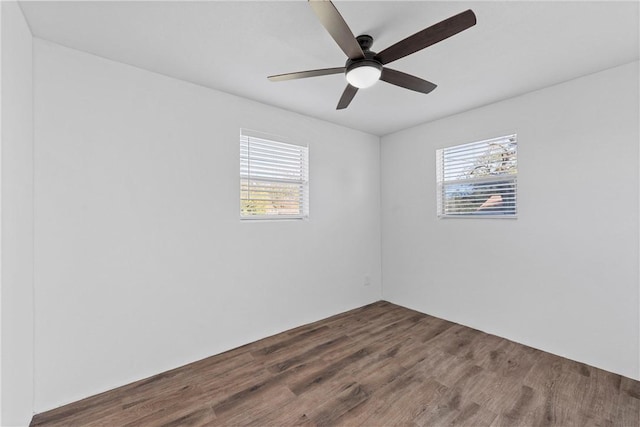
{"x":365,"y":67}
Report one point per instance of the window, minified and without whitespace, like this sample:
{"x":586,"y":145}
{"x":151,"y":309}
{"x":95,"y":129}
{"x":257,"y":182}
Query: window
{"x":478,"y":179}
{"x":274,"y":178}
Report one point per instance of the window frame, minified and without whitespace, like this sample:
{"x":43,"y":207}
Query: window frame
{"x":278,"y":142}
{"x":501,"y":179}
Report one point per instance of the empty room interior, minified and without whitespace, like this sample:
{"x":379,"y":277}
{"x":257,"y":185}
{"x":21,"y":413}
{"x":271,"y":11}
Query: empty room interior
{"x":368,"y":213}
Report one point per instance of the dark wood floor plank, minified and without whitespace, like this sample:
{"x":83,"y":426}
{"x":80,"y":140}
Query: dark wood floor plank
{"x":433,"y":328}
{"x":316,"y":378}
{"x":627,"y":411}
{"x":594,"y":393}
{"x":504,"y":357}
{"x":350,"y":397}
{"x":297,"y":412}
{"x":273,"y":347}
{"x":283,"y":364}
{"x":452,"y":405}
{"x":419,"y":394}
{"x":256,"y":408}
{"x":630,"y":387}
{"x":493,"y":391}
{"x":380,"y":364}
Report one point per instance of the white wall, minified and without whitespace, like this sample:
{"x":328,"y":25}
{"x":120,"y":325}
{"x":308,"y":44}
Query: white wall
{"x":563,"y":277}
{"x":17,"y":218}
{"x":142,"y":263}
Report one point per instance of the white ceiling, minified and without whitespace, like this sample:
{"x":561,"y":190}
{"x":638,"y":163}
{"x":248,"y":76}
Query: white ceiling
{"x":516,"y":47}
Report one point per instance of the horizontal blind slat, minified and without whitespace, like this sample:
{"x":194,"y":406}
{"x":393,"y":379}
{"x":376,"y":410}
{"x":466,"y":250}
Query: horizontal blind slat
{"x":244,"y":153}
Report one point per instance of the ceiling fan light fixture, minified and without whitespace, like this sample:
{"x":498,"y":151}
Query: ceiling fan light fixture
{"x":364,"y":67}
{"x":363,"y":74}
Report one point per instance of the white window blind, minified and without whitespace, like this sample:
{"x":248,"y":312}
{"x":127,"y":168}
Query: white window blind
{"x":479,"y":179}
{"x":274,"y":178}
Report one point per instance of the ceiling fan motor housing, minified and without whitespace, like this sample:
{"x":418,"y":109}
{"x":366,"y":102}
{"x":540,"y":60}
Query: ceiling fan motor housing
{"x":368,"y":61}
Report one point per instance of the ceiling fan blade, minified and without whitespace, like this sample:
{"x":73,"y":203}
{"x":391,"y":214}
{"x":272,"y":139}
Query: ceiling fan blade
{"x":337,"y":27}
{"x":406,"y":81}
{"x":428,"y":36}
{"x":347,"y":96}
{"x":305,"y":74}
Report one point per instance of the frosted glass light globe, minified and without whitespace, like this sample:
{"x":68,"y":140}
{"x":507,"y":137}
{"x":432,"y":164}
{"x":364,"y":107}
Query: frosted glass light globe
{"x":364,"y":75}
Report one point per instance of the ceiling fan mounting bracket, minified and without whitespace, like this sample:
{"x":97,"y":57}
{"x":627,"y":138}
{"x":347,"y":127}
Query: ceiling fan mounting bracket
{"x":365,"y":41}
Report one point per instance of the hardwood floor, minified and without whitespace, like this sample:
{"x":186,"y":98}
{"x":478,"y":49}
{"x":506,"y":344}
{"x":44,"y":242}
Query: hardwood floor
{"x":377,"y":365}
